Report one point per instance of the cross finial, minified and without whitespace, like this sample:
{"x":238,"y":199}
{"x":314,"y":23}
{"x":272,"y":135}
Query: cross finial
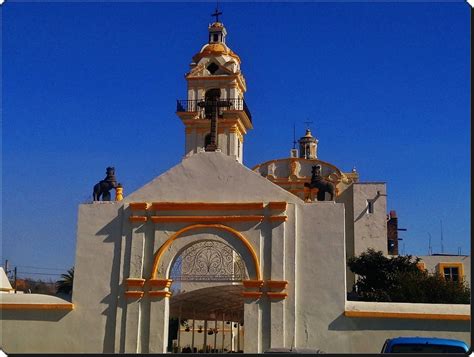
{"x":307,"y":122}
{"x":217,"y":12}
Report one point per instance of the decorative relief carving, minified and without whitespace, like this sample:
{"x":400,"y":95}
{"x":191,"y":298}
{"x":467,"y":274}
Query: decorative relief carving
{"x":208,"y":260}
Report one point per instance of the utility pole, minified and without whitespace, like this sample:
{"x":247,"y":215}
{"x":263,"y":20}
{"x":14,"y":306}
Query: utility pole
{"x":430,"y":251}
{"x":442,"y":246}
{"x":14,"y":279}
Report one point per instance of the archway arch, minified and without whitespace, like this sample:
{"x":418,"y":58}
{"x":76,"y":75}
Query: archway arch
{"x":158,"y":256}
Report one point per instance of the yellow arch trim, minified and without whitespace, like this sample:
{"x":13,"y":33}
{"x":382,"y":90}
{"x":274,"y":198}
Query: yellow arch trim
{"x":238,"y":235}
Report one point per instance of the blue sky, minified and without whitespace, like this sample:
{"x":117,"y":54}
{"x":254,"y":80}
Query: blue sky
{"x":89,"y":85}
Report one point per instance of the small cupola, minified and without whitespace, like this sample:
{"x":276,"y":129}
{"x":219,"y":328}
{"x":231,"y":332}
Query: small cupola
{"x":308,"y":146}
{"x":217,"y":30}
{"x":217,"y":33}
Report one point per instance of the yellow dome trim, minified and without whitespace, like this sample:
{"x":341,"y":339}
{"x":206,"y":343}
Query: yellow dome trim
{"x":215,"y":49}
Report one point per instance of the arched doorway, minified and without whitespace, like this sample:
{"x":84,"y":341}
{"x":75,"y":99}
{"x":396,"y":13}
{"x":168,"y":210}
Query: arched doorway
{"x":207,"y":307}
{"x":207,"y":264}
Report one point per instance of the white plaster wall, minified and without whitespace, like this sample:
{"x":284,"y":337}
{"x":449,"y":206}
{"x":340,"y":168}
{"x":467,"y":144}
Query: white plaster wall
{"x":90,"y":326}
{"x":370,"y":230}
{"x":320,"y":278}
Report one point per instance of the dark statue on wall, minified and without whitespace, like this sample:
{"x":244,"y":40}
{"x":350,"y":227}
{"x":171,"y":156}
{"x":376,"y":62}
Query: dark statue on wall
{"x":319,"y":182}
{"x":102,"y":189}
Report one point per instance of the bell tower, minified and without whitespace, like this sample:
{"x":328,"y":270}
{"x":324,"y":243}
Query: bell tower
{"x":215,"y":115}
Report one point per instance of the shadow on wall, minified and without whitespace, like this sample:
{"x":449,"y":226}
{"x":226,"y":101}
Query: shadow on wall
{"x":110,"y":232}
{"x":34,"y":315}
{"x":343,"y":323}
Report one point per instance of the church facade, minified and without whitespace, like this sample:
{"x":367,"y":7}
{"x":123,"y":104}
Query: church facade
{"x":255,"y":256}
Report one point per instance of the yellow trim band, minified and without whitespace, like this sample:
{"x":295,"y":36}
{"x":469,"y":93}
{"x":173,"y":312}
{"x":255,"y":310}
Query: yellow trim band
{"x":276,"y":295}
{"x":277,"y":205}
{"x":138,"y":206}
{"x":406,"y":315}
{"x":205,"y":206}
{"x":277,"y":284}
{"x":238,"y":235}
{"x":134,"y":294}
{"x":136,"y":219}
{"x":135,"y":282}
{"x":158,"y":219}
{"x":160,"y":283}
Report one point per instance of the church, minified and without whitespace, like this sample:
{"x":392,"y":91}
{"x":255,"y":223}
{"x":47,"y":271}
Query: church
{"x":246,"y":259}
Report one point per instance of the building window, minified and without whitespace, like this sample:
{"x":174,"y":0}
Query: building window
{"x":451,"y":271}
{"x":370,"y":206}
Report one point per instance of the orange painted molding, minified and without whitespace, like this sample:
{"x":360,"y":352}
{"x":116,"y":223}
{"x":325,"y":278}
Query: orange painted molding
{"x":161,"y":283}
{"x":8,"y":306}
{"x":406,"y":315}
{"x":274,"y":295}
{"x":158,"y":255}
{"x":138,"y":206}
{"x":134,"y":294}
{"x":160,"y":293}
{"x":277,"y":205}
{"x":251,"y":294}
{"x":159,"y":219}
{"x":277,"y":284}
{"x":278,"y":218}
{"x":135,"y":282}
{"x":205,"y":206}
{"x":136,"y":219}
{"x":252,"y":283}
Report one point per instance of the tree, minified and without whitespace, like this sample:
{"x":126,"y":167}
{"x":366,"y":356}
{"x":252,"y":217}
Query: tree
{"x":64,"y":285}
{"x":399,"y":279}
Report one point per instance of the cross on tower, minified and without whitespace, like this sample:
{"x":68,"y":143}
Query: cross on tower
{"x":307,"y":122}
{"x":212,"y":106}
{"x":217,"y":13}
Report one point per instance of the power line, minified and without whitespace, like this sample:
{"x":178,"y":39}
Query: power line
{"x":32,"y":267}
{"x":27,"y":272}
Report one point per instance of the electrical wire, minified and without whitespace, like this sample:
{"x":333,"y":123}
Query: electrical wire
{"x":31,"y":267}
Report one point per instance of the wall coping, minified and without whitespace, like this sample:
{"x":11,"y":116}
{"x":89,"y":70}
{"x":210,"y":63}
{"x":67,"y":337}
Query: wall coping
{"x":33,"y":302}
{"x":461,"y":312}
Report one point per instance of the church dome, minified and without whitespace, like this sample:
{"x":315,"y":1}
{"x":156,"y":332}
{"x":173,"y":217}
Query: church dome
{"x":213,"y":50}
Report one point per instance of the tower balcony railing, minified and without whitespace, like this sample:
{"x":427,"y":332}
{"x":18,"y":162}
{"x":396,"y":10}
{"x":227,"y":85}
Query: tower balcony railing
{"x":185,"y":105}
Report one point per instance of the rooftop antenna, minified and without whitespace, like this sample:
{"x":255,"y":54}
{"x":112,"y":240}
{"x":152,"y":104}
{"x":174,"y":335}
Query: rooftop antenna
{"x":442,"y":246}
{"x":294,"y":136}
{"x":430,"y":251}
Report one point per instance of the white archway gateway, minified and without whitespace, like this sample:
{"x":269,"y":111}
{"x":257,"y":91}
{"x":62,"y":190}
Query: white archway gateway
{"x":204,"y":271}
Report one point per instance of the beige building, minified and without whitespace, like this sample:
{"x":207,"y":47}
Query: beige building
{"x":250,"y":254}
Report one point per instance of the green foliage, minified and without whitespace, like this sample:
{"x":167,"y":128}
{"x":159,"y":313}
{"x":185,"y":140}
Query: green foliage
{"x":398,"y":279}
{"x":64,"y":285}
